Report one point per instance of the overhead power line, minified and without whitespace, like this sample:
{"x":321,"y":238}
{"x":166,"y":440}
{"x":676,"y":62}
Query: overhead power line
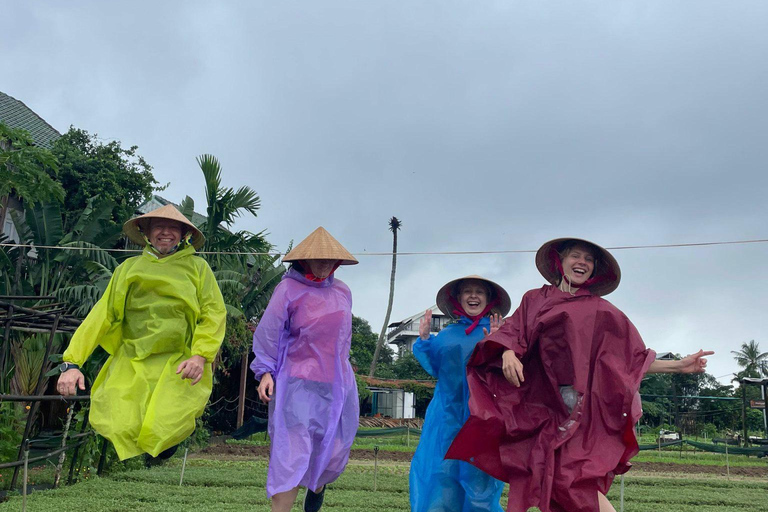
{"x":412,"y":253}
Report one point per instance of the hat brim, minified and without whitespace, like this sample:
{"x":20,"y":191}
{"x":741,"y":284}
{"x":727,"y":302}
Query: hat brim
{"x":606,"y":265}
{"x":134,"y":228}
{"x":320,"y":245}
{"x":447,"y":290}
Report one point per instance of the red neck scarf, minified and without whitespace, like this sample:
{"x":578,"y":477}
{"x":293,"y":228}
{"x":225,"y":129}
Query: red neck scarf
{"x":312,"y":277}
{"x":458,"y":310}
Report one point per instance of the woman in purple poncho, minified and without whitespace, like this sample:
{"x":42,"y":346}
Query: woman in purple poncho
{"x":301,"y":349}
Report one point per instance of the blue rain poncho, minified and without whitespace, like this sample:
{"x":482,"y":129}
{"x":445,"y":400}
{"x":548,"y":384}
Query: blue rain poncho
{"x":449,"y":485}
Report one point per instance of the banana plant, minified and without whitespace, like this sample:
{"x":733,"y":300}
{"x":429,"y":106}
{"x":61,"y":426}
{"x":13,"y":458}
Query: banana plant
{"x":74,"y":266}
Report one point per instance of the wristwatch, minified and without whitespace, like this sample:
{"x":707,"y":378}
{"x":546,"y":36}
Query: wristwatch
{"x":63,"y":367}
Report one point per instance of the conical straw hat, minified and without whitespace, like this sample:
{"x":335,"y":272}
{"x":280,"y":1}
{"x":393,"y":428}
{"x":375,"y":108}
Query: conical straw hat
{"x":606,"y":266}
{"x":320,"y":245}
{"x":134,"y":227}
{"x":450,"y":289}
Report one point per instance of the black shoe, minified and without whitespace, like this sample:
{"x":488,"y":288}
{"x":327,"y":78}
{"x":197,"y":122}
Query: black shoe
{"x":167,"y":454}
{"x":313,"y":501}
{"x":250,"y":427}
{"x":150,"y":461}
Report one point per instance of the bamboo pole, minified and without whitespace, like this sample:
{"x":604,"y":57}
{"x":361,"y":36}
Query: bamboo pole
{"x":63,"y":454}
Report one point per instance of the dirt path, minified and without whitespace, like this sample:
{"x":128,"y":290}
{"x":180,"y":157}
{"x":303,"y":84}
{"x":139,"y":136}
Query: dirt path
{"x":230,"y":451}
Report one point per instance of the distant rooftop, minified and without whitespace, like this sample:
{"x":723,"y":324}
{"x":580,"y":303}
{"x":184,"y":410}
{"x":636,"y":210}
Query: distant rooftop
{"x":156,"y":202}
{"x":15,"y":114}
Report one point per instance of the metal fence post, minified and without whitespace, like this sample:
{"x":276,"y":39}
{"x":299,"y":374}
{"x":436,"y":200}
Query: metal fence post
{"x":25,"y":446}
{"x":183,"y":466}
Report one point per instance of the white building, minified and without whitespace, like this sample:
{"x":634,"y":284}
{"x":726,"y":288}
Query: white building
{"x":403,"y":334}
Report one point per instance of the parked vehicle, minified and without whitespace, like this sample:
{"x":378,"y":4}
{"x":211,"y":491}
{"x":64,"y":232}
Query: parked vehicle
{"x":668,"y":435}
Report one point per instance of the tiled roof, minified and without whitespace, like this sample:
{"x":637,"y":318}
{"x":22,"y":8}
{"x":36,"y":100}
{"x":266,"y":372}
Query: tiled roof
{"x":156,"y":202}
{"x":15,"y":114}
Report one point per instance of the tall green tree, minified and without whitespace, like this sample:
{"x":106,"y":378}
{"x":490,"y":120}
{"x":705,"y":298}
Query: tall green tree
{"x":394,"y":227}
{"x":90,"y":168}
{"x":362,"y":349}
{"x":26,"y":170}
{"x":246,"y":279}
{"x":750,"y":358}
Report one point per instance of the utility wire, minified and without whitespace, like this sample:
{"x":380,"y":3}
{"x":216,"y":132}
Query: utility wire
{"x":414,"y":253}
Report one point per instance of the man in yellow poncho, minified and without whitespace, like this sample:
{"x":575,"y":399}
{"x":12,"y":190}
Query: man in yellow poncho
{"x":162,"y":320}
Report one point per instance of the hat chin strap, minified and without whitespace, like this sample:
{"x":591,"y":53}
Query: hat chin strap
{"x":312,"y":277}
{"x":459,"y":310}
{"x":558,"y":265}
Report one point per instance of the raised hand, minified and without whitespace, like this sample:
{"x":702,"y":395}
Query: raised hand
{"x":694,"y":363}
{"x":496,"y":322}
{"x":424,"y":325}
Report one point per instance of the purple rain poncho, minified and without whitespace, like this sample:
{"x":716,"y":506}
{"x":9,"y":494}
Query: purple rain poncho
{"x":303,"y":340}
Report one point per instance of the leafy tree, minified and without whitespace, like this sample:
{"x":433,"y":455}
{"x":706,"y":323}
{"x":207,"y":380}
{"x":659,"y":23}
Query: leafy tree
{"x":363,"y":347}
{"x":408,"y":367}
{"x":90,"y":168}
{"x":27,"y":170}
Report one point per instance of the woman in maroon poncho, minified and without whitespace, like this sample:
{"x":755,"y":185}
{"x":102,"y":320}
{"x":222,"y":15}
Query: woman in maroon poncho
{"x":560,"y":431}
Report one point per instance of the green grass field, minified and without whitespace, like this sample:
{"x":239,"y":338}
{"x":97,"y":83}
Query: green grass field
{"x":216,"y":485}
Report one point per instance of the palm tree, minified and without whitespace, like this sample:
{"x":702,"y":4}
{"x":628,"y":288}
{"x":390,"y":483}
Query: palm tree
{"x":749,"y":357}
{"x":246,"y":280}
{"x":394,"y":227}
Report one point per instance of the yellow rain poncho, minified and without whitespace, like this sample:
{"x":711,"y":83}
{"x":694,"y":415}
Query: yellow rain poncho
{"x":155,"y":313}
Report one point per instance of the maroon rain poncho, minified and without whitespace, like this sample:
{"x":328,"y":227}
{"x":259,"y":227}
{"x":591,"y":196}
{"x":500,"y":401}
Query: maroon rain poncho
{"x":552,"y":458}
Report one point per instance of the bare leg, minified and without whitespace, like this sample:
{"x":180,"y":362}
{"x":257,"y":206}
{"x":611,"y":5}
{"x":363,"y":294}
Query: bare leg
{"x":283,"y":501}
{"x":605,"y":505}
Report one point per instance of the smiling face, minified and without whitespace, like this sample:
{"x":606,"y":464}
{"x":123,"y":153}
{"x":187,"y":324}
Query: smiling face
{"x":164,"y":235}
{"x":321,"y":268}
{"x":473,"y":296}
{"x":578,"y":264}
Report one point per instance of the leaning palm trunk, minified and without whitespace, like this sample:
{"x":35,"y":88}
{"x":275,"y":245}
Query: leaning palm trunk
{"x":394,"y":226}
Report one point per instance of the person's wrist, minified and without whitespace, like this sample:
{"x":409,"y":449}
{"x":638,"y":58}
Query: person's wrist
{"x":65,"y":367}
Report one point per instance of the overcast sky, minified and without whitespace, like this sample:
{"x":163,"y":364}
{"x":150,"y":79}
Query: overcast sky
{"x":483,"y":126}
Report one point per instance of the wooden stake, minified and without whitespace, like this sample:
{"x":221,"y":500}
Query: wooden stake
{"x":375,"y":466}
{"x":622,"y":493}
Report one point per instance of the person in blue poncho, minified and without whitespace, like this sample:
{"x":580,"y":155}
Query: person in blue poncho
{"x":451,"y":485}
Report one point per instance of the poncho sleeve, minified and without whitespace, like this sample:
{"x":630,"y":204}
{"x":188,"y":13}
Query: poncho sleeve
{"x":209,"y":331}
{"x":511,"y":336}
{"x":426,"y":354}
{"x":266,"y":338}
{"x":102,"y":326}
